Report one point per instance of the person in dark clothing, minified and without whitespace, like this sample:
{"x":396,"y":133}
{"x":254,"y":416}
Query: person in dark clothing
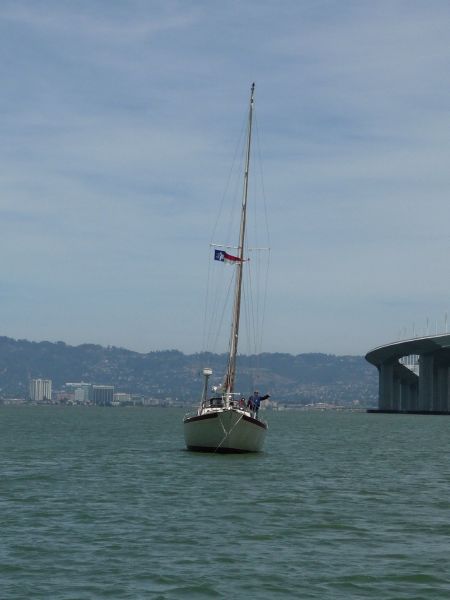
{"x":254,"y":402}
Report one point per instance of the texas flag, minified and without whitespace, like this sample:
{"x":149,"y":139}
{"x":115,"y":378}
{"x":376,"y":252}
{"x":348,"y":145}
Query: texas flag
{"x":223,"y":256}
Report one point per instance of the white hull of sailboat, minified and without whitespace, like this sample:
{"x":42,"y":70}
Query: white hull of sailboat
{"x":225,"y":430}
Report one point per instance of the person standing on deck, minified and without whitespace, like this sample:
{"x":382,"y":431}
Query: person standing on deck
{"x":255,"y":402}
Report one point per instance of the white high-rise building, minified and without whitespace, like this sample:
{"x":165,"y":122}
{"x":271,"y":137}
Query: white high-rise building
{"x":40,"y":389}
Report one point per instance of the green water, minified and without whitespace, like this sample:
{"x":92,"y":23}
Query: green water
{"x":106,"y":503}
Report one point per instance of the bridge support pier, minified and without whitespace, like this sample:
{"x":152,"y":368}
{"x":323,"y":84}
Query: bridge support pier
{"x":408,"y":396}
{"x":396,"y":392}
{"x":386,"y":386}
{"x":440,"y":399}
{"x":426,"y":382}
{"x":403,"y":389}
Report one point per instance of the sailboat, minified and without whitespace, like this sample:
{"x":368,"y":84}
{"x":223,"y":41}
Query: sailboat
{"x":223,"y":422}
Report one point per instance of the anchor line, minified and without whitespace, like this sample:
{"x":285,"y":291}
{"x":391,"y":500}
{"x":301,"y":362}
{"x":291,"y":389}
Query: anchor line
{"x":227,"y":433}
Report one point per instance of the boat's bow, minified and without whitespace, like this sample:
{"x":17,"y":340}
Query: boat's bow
{"x":224,"y":430}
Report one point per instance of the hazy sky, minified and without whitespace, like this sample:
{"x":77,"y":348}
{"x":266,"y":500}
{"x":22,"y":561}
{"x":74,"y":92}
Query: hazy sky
{"x":118,"y":124}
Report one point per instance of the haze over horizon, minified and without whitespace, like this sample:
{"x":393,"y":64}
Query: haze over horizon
{"x":119,"y":123}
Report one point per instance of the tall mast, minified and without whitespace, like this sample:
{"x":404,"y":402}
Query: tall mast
{"x":231,"y":369}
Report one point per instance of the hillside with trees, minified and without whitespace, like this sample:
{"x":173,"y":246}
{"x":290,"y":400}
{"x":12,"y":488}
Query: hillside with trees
{"x":298,"y":379}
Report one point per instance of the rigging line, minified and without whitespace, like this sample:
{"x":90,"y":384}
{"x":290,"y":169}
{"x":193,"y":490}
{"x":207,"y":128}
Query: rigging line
{"x":248,"y":337}
{"x":258,"y":305}
{"x":260,"y":161}
{"x":250,"y":327}
{"x":256,"y":326}
{"x":233,"y":167}
{"x":256,"y":276}
{"x":256,"y":308}
{"x":220,"y":302}
{"x":224,"y":306}
{"x":257,"y":317}
{"x":250,"y":317}
{"x":236,"y":204}
{"x":212,"y":306}
{"x":266,"y":288}
{"x":226,"y":303}
{"x":213,"y":311}
{"x":257,"y":285}
{"x":250,"y":299}
{"x":258,"y":299}
{"x":266,"y":220}
{"x":252,"y":321}
{"x":206,"y":305}
{"x":254,"y":311}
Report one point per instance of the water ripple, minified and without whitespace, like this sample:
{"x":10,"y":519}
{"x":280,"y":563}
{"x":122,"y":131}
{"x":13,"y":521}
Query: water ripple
{"x":107,"y":504}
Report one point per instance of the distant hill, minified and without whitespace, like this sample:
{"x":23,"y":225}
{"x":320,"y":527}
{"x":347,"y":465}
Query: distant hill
{"x":299,"y":379}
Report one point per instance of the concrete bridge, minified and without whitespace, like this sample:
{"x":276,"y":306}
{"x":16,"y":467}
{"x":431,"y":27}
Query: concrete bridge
{"x":401,"y":389}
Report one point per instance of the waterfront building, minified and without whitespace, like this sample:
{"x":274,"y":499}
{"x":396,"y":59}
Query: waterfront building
{"x":40,"y":390}
{"x":103,"y":395}
{"x":121,"y":398}
{"x":82,"y":392}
